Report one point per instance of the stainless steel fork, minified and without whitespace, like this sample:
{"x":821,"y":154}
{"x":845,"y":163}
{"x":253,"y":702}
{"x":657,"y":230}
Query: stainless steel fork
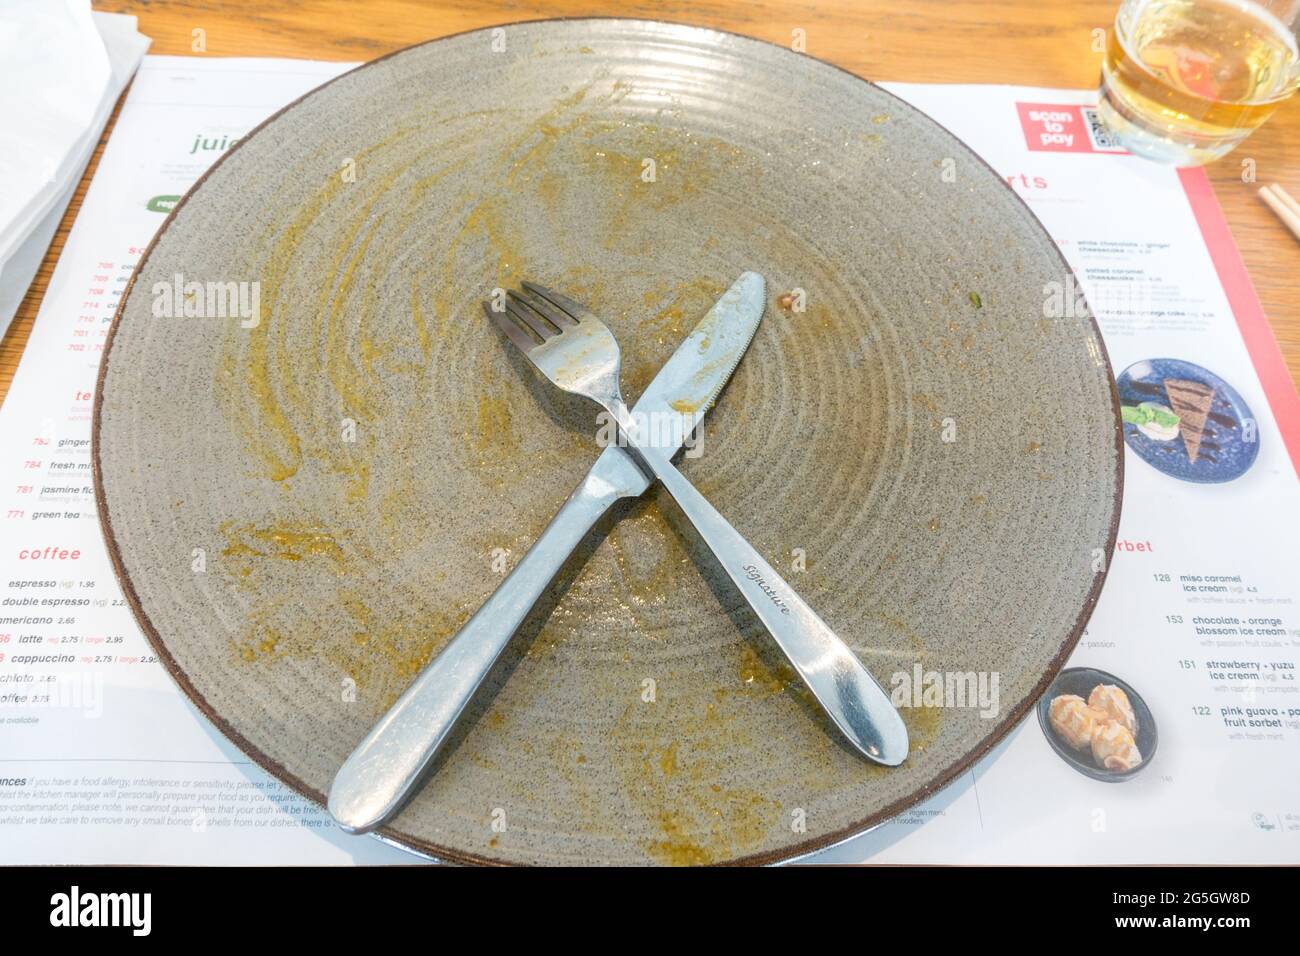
{"x":573,"y":348}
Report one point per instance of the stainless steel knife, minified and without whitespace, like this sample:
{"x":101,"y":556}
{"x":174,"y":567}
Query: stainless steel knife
{"x":385,"y":768}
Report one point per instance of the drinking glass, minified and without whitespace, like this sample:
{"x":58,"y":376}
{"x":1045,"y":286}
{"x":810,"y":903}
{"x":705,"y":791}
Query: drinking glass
{"x":1185,"y":81}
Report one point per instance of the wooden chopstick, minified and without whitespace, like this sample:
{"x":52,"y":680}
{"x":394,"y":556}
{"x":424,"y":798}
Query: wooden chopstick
{"x":1281,"y":202}
{"x":1286,"y":197}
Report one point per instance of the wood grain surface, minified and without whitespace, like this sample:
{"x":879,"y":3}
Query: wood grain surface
{"x":1026,"y":42}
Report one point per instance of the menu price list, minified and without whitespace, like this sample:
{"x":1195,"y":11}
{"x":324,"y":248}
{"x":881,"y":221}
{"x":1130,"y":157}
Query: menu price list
{"x":104,"y":760}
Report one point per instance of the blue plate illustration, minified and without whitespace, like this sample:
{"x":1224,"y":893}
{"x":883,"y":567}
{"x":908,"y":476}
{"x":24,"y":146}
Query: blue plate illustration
{"x":1186,"y":421}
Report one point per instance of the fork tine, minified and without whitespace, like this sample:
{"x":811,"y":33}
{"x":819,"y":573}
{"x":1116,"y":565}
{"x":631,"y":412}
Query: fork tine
{"x":512,"y":330}
{"x":521,"y":311}
{"x":576,"y":311}
{"x":561,"y":319}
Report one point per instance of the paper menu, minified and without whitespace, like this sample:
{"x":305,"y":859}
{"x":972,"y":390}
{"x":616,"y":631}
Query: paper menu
{"x":127,"y":772}
{"x":103,"y":760}
{"x":1199,"y":612}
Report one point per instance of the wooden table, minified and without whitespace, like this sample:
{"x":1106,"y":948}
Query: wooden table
{"x":1027,"y":42}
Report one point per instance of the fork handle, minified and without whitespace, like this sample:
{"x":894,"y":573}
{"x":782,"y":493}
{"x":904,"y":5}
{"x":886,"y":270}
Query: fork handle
{"x":854,"y":700}
{"x":386,"y":766}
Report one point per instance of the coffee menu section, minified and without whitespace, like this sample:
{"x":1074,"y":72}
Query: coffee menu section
{"x":1188,"y":664}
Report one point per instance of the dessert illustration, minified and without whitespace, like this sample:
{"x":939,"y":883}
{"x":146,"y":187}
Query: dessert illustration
{"x":1113,"y":747}
{"x":1152,"y":419}
{"x":1074,"y":721}
{"x":1191,"y":402}
{"x":1104,"y":723}
{"x":1114,"y":703}
{"x":1186,"y":421}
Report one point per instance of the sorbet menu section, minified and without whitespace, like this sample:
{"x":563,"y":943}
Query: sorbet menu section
{"x":1195,"y":641}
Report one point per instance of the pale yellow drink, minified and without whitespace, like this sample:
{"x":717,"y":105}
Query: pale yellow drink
{"x":1185,"y":81}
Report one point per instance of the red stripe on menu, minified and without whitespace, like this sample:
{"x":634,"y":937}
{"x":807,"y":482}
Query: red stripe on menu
{"x":1255,"y":330}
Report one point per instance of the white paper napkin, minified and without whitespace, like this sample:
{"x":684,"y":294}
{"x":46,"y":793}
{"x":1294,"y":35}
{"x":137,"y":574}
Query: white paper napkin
{"x":49,"y":126}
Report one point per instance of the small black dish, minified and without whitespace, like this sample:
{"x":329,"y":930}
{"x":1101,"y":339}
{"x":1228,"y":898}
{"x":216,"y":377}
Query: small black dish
{"x":1081,"y":681}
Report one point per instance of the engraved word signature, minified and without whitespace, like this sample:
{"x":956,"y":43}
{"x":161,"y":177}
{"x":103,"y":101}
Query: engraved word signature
{"x":753,"y":574}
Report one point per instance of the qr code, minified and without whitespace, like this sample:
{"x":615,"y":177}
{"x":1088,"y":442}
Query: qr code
{"x":1101,"y":137}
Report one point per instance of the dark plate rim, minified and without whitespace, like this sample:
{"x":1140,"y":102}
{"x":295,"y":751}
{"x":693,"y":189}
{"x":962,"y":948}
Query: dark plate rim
{"x":449,"y":854}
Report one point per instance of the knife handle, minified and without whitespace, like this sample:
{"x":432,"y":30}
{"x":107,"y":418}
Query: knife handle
{"x":386,"y":766}
{"x":854,"y":700}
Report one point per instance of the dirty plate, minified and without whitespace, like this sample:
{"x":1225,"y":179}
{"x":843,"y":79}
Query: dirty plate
{"x":931,"y":461}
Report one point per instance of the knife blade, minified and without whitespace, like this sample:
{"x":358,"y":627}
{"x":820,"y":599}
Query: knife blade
{"x":385,"y":768}
{"x":688,"y":384}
